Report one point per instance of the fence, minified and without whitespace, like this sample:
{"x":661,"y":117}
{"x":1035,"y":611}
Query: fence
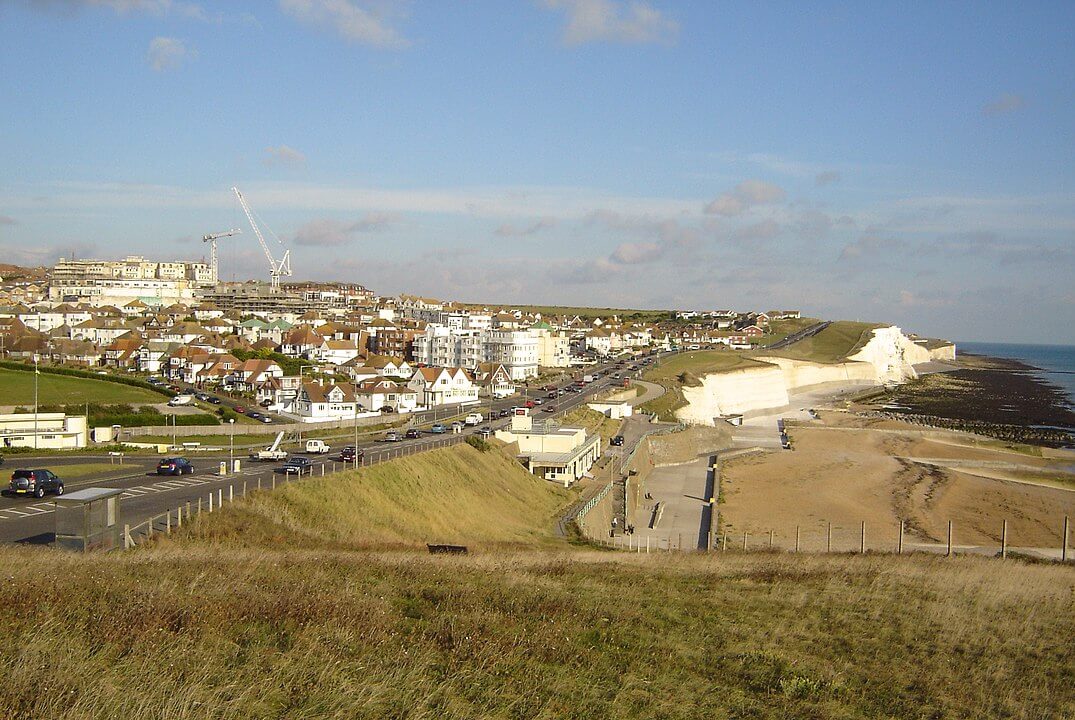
{"x":837,"y":539}
{"x":174,"y":518}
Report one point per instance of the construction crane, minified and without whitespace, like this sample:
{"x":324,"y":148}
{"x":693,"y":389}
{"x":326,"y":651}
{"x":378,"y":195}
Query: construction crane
{"x":211,"y":238}
{"x":276,"y":269}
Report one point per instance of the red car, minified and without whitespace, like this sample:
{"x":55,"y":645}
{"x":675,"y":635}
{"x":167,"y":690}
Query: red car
{"x":240,"y":409}
{"x":529,"y":403}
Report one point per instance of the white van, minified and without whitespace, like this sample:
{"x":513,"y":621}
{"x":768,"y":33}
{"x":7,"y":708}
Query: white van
{"x":181,"y":400}
{"x":474,"y":419}
{"x":317,"y":447}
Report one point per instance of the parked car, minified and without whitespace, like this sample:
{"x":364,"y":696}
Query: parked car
{"x":485,"y":432}
{"x":412,"y":434}
{"x":240,"y":409}
{"x":265,"y":419}
{"x":202,"y":396}
{"x":181,"y":400}
{"x":295,"y":466}
{"x":175,"y":466}
{"x":214,"y":400}
{"x":254,"y":415}
{"x":388,"y":409}
{"x":265,"y":403}
{"x":616,"y":440}
{"x":35,"y":482}
{"x":393,"y":436}
{"x":438,"y":429}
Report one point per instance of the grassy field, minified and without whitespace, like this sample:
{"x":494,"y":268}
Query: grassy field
{"x":780,"y":329}
{"x":686,"y":369}
{"x":189,"y":630}
{"x":454,"y":495}
{"x":831,"y":345}
{"x":17,"y":388}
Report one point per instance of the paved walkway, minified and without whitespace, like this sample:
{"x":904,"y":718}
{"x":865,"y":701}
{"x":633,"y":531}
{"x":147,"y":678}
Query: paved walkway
{"x":653,"y":391}
{"x":680,"y":490}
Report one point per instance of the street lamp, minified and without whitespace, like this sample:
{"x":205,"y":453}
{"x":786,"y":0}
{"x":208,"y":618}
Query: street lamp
{"x":231,"y":445}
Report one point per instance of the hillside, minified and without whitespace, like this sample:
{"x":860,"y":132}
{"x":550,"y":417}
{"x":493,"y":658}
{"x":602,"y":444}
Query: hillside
{"x":833,"y":344}
{"x":686,"y":370}
{"x":17,"y":388}
{"x":454,"y":495}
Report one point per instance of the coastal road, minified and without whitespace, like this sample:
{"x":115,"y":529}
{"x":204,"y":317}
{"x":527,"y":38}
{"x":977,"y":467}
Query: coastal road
{"x":29,"y":520}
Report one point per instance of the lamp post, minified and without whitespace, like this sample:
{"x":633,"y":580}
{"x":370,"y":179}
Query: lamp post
{"x":355,"y":458}
{"x":36,"y":373}
{"x":231,"y":445}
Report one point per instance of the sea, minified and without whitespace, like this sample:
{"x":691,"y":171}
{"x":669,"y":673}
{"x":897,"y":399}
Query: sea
{"x":1057,"y":362}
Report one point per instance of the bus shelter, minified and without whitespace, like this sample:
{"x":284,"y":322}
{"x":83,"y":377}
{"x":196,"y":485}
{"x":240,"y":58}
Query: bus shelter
{"x":89,"y":520}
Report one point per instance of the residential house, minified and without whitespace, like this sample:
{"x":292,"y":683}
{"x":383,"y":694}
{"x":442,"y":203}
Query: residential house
{"x":381,"y":393}
{"x":494,"y":380}
{"x":443,"y":386}
{"x":318,"y":401}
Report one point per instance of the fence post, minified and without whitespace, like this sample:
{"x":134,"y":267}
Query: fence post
{"x":219,"y":498}
{"x":1004,"y":540}
{"x":724,"y":542}
{"x":862,"y":539}
{"x":647,"y":544}
{"x":828,"y":538}
{"x":168,"y":522}
{"x":127,"y":541}
{"x":231,"y":493}
{"x":150,"y":526}
{"x":770,"y":539}
{"x":210,"y":502}
{"x":322,"y":469}
{"x":680,"y":545}
{"x":949,"y":553}
{"x":899,"y":542}
{"x":259,"y":482}
{"x":244,"y":488}
{"x":274,"y":481}
{"x":744,"y":539}
{"x":179,"y":518}
{"x":796,"y":538}
{"x":199,"y":504}
{"x":1064,"y":545}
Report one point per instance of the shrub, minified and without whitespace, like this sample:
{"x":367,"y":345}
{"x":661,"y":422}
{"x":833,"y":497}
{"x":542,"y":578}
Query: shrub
{"x":478,"y":444}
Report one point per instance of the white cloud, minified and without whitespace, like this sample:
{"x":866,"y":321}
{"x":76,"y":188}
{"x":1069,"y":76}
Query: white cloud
{"x":509,"y":230}
{"x":1004,"y":104}
{"x":635,"y":22}
{"x":364,"y":25}
{"x":332,"y":233}
{"x":745,"y":195}
{"x":167,"y":53}
{"x":284,"y":155}
{"x":635,"y":253}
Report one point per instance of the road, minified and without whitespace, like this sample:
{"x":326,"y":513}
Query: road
{"x":797,"y":336}
{"x":28,"y":520}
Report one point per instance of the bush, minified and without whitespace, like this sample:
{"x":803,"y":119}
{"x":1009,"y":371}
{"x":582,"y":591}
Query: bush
{"x":478,"y":444}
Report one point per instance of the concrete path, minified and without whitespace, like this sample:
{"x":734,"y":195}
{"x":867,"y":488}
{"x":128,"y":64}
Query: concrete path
{"x":653,"y":391}
{"x":680,"y":490}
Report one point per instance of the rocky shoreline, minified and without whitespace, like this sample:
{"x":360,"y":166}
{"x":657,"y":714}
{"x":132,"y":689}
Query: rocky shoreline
{"x":996,"y":397}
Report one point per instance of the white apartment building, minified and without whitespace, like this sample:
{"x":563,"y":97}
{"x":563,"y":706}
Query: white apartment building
{"x":118,"y":282}
{"x":442,"y":346}
{"x":554,"y":348}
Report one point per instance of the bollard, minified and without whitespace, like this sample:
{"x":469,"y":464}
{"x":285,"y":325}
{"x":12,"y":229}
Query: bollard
{"x":220,"y":498}
{"x":150,"y":525}
{"x":724,"y":543}
{"x":1064,"y":545}
{"x":796,"y":538}
{"x":647,"y":544}
{"x":949,"y":553}
{"x":680,"y":545}
{"x":1004,"y":540}
{"x":126,"y":537}
{"x":259,"y":482}
{"x":828,"y":538}
{"x":231,"y":493}
{"x":274,"y":481}
{"x":322,"y":469}
{"x":770,"y":539}
{"x":168,"y":523}
{"x":188,"y":511}
{"x":862,"y":539}
{"x":744,"y":539}
{"x":244,"y":488}
{"x":199,"y":505}
{"x":899,"y":543}
{"x":210,"y":502}
{"x":179,"y":518}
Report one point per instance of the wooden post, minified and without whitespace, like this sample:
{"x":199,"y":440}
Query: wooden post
{"x":199,"y":504}
{"x":179,"y":518}
{"x":899,"y":543}
{"x":127,"y":541}
{"x":231,"y":493}
{"x":150,"y":525}
{"x":168,"y":522}
{"x":862,"y":539}
{"x":220,"y":498}
{"x":647,"y":544}
{"x":770,"y":539}
{"x":744,"y":539}
{"x":949,"y":553}
{"x":259,"y":482}
{"x":274,"y":481}
{"x":1004,"y":539}
{"x":680,"y":546}
{"x":796,"y":538}
{"x":188,"y":511}
{"x":210,"y":502}
{"x":244,"y":488}
{"x":1064,"y":545}
{"x":724,"y":543}
{"x":828,"y":538}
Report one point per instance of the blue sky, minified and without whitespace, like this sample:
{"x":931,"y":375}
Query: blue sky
{"x":908,"y":163}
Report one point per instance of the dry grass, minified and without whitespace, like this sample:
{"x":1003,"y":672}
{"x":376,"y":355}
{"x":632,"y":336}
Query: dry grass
{"x":593,"y":421}
{"x":454,"y":495}
{"x":831,"y":345}
{"x":203,"y":632}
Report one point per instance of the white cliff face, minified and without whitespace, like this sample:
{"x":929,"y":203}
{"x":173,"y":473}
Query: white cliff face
{"x":892,"y":354}
{"x":887,"y":357}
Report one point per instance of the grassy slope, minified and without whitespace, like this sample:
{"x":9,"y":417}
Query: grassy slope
{"x":455,"y":495}
{"x":201,"y":632}
{"x":686,"y":369}
{"x":831,"y":345}
{"x":593,"y":421}
{"x":17,"y":388}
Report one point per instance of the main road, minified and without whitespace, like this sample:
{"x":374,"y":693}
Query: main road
{"x":28,"y":520}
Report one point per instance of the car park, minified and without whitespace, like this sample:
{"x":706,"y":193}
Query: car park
{"x":175,"y":466}
{"x":35,"y":482}
{"x":295,"y":466}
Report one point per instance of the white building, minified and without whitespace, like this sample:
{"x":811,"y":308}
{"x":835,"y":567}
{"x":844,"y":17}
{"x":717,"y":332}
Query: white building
{"x":560,"y":454}
{"x":47,"y":430}
{"x":443,"y":346}
{"x":118,"y":282}
{"x":443,"y":386}
{"x":317,"y":401}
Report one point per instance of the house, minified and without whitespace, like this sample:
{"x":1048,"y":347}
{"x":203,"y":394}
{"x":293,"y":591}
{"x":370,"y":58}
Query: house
{"x":80,"y":353}
{"x":153,"y":355}
{"x":387,"y":366}
{"x":317,"y":401}
{"x":278,"y":392}
{"x":559,"y":454}
{"x":301,"y":341}
{"x":751,"y":331}
{"x":123,"y":351}
{"x":494,"y":380}
{"x":335,"y":352}
{"x":253,"y":373}
{"x":598,"y":341}
{"x":381,"y":393}
{"x":443,"y":386}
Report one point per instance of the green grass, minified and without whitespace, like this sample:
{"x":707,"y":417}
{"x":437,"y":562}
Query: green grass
{"x":593,"y":421}
{"x":780,"y":329}
{"x":831,"y":345}
{"x":687,"y":369}
{"x":17,"y":388}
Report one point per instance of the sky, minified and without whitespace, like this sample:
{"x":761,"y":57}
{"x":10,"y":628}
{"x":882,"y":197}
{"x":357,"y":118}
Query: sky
{"x":910,"y":163}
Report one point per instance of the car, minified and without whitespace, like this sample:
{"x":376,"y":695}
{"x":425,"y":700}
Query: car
{"x":559,"y":393}
{"x":295,"y":465}
{"x":214,"y":400}
{"x":265,"y":419}
{"x":393,"y":436}
{"x":254,"y":415}
{"x":438,"y":429}
{"x":504,"y":413}
{"x":551,"y":395}
{"x":348,"y":454}
{"x":412,"y":434}
{"x":35,"y":482}
{"x":457,"y":426}
{"x":388,"y":409}
{"x":175,"y":466}
{"x":174,"y":388}
{"x":549,"y":409}
{"x":616,"y":440}
{"x":529,"y":404}
{"x":537,"y":401}
{"x":202,"y":396}
{"x":240,"y":409}
{"x":265,"y":403}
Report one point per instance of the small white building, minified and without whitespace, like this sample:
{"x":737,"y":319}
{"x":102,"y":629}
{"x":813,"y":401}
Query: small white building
{"x":614,"y":409}
{"x":48,"y":430}
{"x":443,"y":386}
{"x":558,"y":454}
